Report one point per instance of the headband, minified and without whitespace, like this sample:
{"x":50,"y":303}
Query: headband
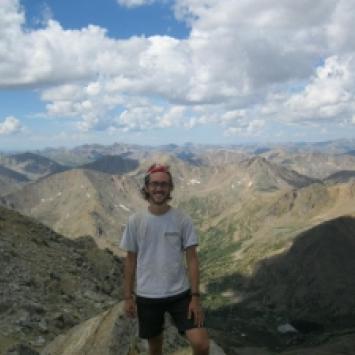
{"x":157,"y":168}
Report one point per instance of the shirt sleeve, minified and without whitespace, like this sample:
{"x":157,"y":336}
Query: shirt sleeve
{"x":129,"y":238}
{"x":189,"y":236}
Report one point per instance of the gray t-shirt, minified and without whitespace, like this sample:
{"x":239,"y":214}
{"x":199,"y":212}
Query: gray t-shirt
{"x":159,"y":242}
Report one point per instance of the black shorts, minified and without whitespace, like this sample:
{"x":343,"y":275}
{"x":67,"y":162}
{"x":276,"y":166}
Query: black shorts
{"x":151,"y":313}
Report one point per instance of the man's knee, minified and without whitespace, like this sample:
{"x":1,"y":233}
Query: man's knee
{"x":201,"y":347}
{"x":199,"y":341}
{"x":156,"y":345}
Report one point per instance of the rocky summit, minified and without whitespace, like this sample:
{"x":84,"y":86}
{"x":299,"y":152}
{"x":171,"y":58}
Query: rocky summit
{"x":50,"y":283}
{"x":111,"y":333}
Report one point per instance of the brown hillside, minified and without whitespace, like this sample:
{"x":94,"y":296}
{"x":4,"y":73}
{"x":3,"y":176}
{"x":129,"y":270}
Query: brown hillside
{"x":314,"y":164}
{"x":80,"y":202}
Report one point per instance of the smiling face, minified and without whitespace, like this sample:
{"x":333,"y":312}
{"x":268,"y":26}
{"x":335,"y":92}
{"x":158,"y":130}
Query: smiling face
{"x":158,"y":188}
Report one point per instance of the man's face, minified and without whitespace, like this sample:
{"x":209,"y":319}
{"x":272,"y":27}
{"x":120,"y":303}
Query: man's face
{"x":159,"y":188}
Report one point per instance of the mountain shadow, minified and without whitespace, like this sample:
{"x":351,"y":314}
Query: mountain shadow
{"x":310,"y":286}
{"x":13,"y":175}
{"x":10,"y":180}
{"x":340,"y":176}
{"x":112,"y":164}
{"x":33,"y":165}
{"x":189,"y":157}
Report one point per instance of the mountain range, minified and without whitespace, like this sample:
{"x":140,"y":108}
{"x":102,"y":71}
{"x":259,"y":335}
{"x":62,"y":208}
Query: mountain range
{"x":275,"y":224}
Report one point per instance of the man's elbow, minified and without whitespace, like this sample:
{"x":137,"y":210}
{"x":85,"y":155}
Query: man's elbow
{"x":131,"y":259}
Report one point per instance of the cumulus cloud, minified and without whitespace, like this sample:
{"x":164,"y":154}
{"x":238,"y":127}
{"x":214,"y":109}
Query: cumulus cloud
{"x":147,"y":116}
{"x":249,"y":128}
{"x":45,"y":16}
{"x":11,"y":125}
{"x":328,"y":96}
{"x":330,"y":93}
{"x":243,"y":64}
{"x":134,"y":3}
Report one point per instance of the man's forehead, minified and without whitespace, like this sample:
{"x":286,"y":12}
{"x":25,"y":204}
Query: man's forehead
{"x":159,"y":176}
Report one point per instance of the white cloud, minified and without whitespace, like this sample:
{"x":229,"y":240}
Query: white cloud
{"x":173,"y":117}
{"x":255,"y":126}
{"x":328,"y":95}
{"x":247,"y":128}
{"x":139,"y":118}
{"x":146,"y":116}
{"x":329,"y":90}
{"x":244,"y":62}
{"x":231,"y":116}
{"x":134,"y":3}
{"x":11,"y":125}
{"x":46,"y":15}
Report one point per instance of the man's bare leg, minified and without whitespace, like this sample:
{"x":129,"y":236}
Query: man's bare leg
{"x":198,"y":338}
{"x":156,"y":345}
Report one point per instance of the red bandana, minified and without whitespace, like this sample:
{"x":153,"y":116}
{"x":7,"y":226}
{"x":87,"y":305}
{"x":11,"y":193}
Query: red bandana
{"x":157,"y":168}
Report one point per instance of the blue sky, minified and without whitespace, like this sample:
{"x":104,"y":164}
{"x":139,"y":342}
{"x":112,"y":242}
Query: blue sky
{"x":159,"y":71}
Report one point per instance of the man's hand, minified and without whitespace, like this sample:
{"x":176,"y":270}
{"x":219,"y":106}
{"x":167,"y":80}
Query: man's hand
{"x":130,"y":308}
{"x":196,"y":311}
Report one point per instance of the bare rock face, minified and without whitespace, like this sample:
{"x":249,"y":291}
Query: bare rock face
{"x":49,"y":283}
{"x":106,"y":334}
{"x":111,"y":333}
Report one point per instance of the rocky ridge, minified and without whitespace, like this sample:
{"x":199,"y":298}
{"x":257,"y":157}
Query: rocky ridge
{"x":50,"y":283}
{"x":33,"y":166}
{"x":111,"y":333}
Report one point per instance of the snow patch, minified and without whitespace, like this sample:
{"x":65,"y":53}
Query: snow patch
{"x":195,"y":181}
{"x":286,"y":328}
{"x":124,"y":208}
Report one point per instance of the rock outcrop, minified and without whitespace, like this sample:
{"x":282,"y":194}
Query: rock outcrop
{"x":49,"y":283}
{"x":111,"y":333}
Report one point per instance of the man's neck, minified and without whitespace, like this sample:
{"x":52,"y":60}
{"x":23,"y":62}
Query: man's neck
{"x":158,"y":209}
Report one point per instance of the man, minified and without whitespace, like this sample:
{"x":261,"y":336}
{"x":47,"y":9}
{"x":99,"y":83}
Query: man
{"x":156,"y":241}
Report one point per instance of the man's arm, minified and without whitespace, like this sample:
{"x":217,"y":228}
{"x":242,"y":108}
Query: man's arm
{"x":128,"y":283}
{"x":193,"y":269}
{"x":195,"y":308}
